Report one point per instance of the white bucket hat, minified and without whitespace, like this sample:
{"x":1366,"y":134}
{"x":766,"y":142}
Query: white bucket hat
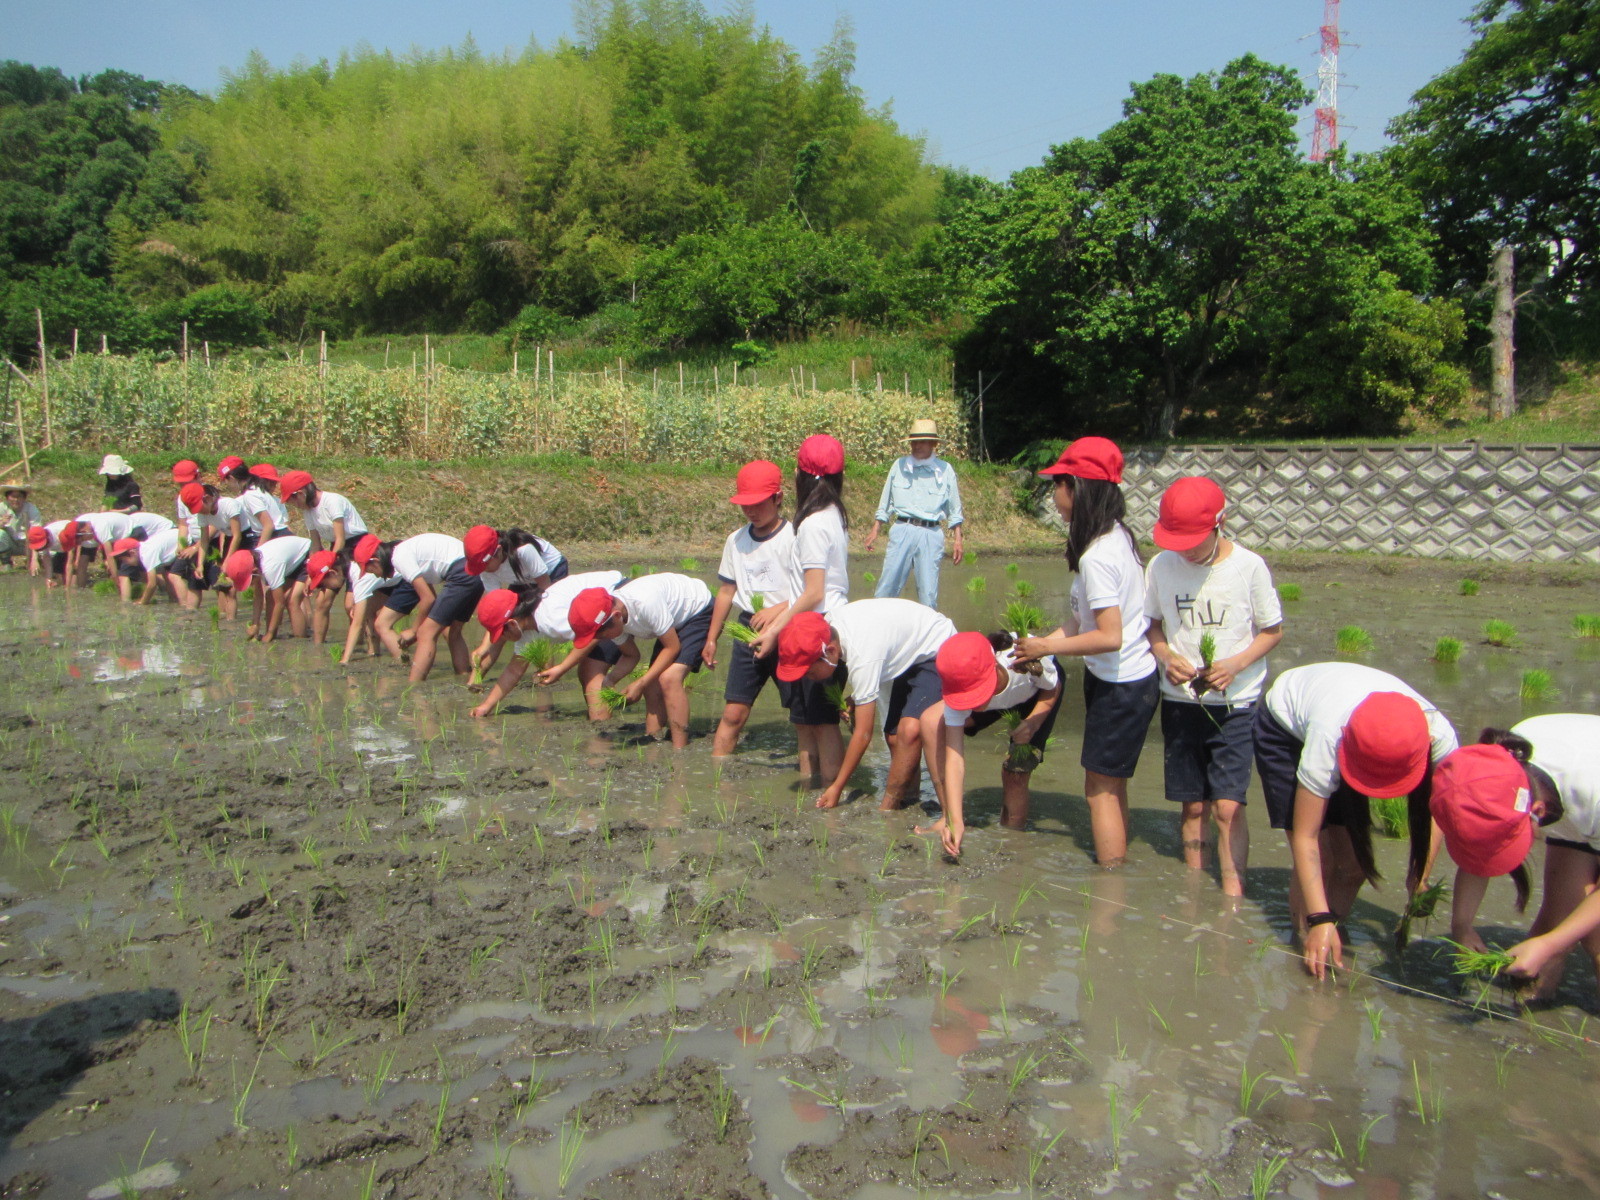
{"x":115,"y":464}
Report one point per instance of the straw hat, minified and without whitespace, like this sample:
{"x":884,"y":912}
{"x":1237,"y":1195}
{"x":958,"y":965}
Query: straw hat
{"x":923,"y":431}
{"x":14,"y":485}
{"x":115,"y":464}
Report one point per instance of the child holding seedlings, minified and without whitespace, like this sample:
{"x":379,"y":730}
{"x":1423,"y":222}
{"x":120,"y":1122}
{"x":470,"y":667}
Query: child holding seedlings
{"x":757,"y":578}
{"x":105,"y":529}
{"x":980,"y":685}
{"x":673,"y":609}
{"x":885,"y":646}
{"x":262,"y":514}
{"x":1106,"y":628}
{"x":367,"y":592}
{"x":525,"y":615}
{"x":1328,"y":736}
{"x":157,"y":556}
{"x":1214,"y":618}
{"x":44,"y":543}
{"x":332,"y":523}
{"x":214,"y":522}
{"x":432,"y":568}
{"x":1486,"y":800}
{"x":281,"y":565}
{"x":822,"y":554}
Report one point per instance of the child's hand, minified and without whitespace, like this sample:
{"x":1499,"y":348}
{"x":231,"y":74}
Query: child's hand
{"x":1179,"y":670}
{"x":1221,"y":674}
{"x":549,"y":675}
{"x":708,"y":653}
{"x":1025,"y":730}
{"x":1028,"y":649}
{"x":633,"y":691}
{"x":483,"y":710}
{"x":831,"y":796}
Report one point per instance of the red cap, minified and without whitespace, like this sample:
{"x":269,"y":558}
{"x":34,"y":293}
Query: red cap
{"x":123,"y":545}
{"x":756,"y":481}
{"x":494,"y":610}
{"x":967,"y":671}
{"x":293,"y":481}
{"x":240,"y":565}
{"x":820,"y":454}
{"x":1190,"y":510}
{"x":38,"y":537}
{"x":1383,"y":751}
{"x":800,"y":645}
{"x":318,"y":565}
{"x":265,"y":471}
{"x":589,"y":611}
{"x":1481,"y":800}
{"x":69,"y":535}
{"x":193,"y":496}
{"x":366,"y":546}
{"x":185,"y":471}
{"x":232,"y":463}
{"x":481,"y":543}
{"x":1089,"y":458}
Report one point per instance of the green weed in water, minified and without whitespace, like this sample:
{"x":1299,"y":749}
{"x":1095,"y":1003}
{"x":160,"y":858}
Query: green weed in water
{"x":1389,"y":814}
{"x":1447,"y":650}
{"x":1586,"y":625}
{"x":1469,"y":587}
{"x":977,"y":585}
{"x":1352,"y":639}
{"x":1499,"y":633}
{"x":1536,"y":685}
{"x":1289,"y":591}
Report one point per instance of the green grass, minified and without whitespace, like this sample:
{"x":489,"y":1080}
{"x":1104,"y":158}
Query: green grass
{"x":1289,"y":591}
{"x":1469,"y":587}
{"x":1586,"y":625}
{"x":1447,"y":650}
{"x":1536,"y":685}
{"x":1499,"y":633}
{"x":1389,"y":815}
{"x":1352,"y":639}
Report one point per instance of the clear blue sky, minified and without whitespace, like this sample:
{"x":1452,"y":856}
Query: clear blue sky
{"x":991,"y":85}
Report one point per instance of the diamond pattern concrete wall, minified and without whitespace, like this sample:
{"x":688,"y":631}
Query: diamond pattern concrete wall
{"x":1502,"y":503}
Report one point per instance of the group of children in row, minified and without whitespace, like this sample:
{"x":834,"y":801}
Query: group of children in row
{"x":1189,"y":634}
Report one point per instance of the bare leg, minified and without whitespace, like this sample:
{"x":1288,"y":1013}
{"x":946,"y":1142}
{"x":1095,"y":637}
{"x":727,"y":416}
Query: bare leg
{"x":384,"y":626}
{"x":675,"y":700}
{"x":1192,"y":831}
{"x":1569,"y":876}
{"x":125,"y":588}
{"x":322,"y":610}
{"x":591,"y":678}
{"x":1108,"y":817}
{"x":905,"y":765}
{"x":297,"y":609}
{"x":1233,"y":845}
{"x":726,"y":740}
{"x":460,"y":652}
{"x":821,"y":753}
{"x":424,"y":649}
{"x":1014,"y":797}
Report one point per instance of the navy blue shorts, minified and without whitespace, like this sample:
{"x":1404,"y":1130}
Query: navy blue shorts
{"x":1116,"y":717}
{"x":692,"y":636}
{"x":1278,"y":763}
{"x":809,"y":703}
{"x":560,"y":571}
{"x":456,"y":598}
{"x":1207,"y":750}
{"x":131,"y":569}
{"x":912,"y":694}
{"x":979,"y":721}
{"x":747,"y":674}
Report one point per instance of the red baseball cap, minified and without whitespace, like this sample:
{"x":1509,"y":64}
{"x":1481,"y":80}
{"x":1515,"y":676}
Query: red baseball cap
{"x":185,"y":471}
{"x":69,"y":535}
{"x":232,"y":463}
{"x":265,"y":471}
{"x":318,"y":565}
{"x":481,"y":543}
{"x":1190,"y":510}
{"x":293,"y":481}
{"x":494,"y":610}
{"x":588,"y":613}
{"x":1481,"y":800}
{"x":38,"y":537}
{"x":967,"y":671}
{"x":240,"y":565}
{"x":1383,"y":750}
{"x":1089,"y":458}
{"x":193,"y":496}
{"x":820,"y":454}
{"x":757,"y":481}
{"x":123,"y":545}
{"x":366,"y":546}
{"x":801,"y":644}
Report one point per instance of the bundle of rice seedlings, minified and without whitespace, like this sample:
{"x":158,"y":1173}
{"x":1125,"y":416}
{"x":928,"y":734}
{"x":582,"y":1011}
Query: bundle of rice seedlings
{"x":1447,"y":650}
{"x":1586,"y":625}
{"x":1352,"y":639}
{"x":758,"y":601}
{"x":541,"y":654}
{"x":977,"y":585}
{"x":1420,"y":907}
{"x":636,"y":570}
{"x":1389,"y":814}
{"x":1478,"y":962}
{"x":1499,"y":633}
{"x":612,"y":698}
{"x":1022,"y":618}
{"x":1536,"y":685}
{"x":1024,"y":589}
{"x":740,"y":632}
{"x":869,"y":577}
{"x":1208,"y":655}
{"x":688,"y":564}
{"x":1289,"y":591}
{"x":1012,"y":570}
{"x":838,"y":695}
{"x":1469,"y":587}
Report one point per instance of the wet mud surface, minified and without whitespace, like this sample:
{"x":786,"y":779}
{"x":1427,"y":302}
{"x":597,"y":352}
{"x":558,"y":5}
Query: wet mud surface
{"x":272,"y":926}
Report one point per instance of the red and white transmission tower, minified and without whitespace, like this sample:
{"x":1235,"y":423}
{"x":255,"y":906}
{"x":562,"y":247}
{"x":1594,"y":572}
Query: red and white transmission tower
{"x":1325,"y":132}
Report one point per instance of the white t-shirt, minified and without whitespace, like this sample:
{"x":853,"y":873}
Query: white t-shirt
{"x":428,"y":555}
{"x":158,"y":551}
{"x":188,"y":520}
{"x":1109,"y":575}
{"x":765,"y":566}
{"x":1313,"y":704}
{"x":1020,"y":687}
{"x":882,"y":639}
{"x":657,"y":603}
{"x":149,"y":523}
{"x":228,"y":507}
{"x":821,"y":541}
{"x":550,"y":618}
{"x":253,"y":502}
{"x":108,"y":526}
{"x":534,"y":564}
{"x":1566,"y":746}
{"x":279,"y":557}
{"x":331,"y":507}
{"x":1233,"y":600}
{"x":363,"y":583}
{"x":54,"y":530}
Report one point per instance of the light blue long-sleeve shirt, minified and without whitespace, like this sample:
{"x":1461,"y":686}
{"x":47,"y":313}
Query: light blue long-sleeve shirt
{"x":924,"y":488}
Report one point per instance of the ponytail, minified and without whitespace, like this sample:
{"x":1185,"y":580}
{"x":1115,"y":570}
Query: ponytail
{"x":1098,"y":507}
{"x":512,"y":540}
{"x":813,"y":493}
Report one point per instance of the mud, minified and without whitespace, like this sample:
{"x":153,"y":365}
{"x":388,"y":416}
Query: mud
{"x":269,"y":925}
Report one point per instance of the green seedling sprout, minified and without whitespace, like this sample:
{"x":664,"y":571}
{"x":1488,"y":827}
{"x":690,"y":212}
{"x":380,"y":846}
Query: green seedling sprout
{"x":1023,"y":589}
{"x":1118,"y":1121}
{"x":570,"y":1146}
{"x":977,"y":585}
{"x":1248,"y":1083}
{"x":1389,"y":814}
{"x":688,"y":564}
{"x":1446,"y":650}
{"x":1480,"y":963}
{"x":1263,"y":1175}
{"x":1289,"y":592}
{"x":541,"y":653}
{"x":1468,"y":587}
{"x":740,"y":632}
{"x":1536,"y":685}
{"x":1351,"y":640}
{"x":1420,"y":907}
{"x":1012,"y":570}
{"x":1021,"y":618}
{"x":1586,"y":625}
{"x":1208,"y":655}
{"x":1499,"y":633}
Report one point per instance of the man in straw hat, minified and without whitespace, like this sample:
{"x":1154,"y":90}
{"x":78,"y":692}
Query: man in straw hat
{"x":921,"y":491}
{"x":17,"y":515}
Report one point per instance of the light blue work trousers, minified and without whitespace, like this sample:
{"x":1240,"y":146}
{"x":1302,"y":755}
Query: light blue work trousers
{"x":912,"y":546}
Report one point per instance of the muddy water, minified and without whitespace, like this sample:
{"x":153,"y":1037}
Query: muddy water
{"x":272,"y":926}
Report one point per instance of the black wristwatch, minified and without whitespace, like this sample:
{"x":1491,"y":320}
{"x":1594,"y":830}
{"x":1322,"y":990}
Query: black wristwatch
{"x":1321,"y":918}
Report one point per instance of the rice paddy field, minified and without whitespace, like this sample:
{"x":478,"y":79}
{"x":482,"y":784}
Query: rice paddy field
{"x":270,"y":926}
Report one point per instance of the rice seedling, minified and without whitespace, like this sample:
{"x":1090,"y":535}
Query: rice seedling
{"x":1389,"y":815}
{"x":1021,"y":618}
{"x":869,"y":577}
{"x":688,"y":563}
{"x":977,"y":585}
{"x":1263,"y":1175}
{"x":1118,"y":1121}
{"x":612,"y":698}
{"x":1446,"y":650}
{"x":570,"y":1146}
{"x":1352,"y":639}
{"x":1287,"y":1043}
{"x":722,"y":1103}
{"x":541,"y":653}
{"x":1430,"y":1103}
{"x":740,"y":632}
{"x":1499,"y":633}
{"x":1249,"y":1102}
{"x":1012,"y":570}
{"x":1024,"y":1069}
{"x":1421,"y":907}
{"x":1023,"y":589}
{"x":637,"y":570}
{"x":105,"y":587}
{"x":437,"y":1134}
{"x":1208,"y":655}
{"x":1468,"y":587}
{"x":1586,"y":625}
{"x":1160,"y":1020}
{"x":838,"y":695}
{"x":1536,"y":685}
{"x":1289,"y":592}
{"x":1361,"y":1141}
{"x":324,"y":1045}
{"x":1481,"y":963}
{"x":193,"y":1037}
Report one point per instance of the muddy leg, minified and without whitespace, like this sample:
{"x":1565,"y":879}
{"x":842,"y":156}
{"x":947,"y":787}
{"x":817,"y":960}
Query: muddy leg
{"x":1014,"y":797}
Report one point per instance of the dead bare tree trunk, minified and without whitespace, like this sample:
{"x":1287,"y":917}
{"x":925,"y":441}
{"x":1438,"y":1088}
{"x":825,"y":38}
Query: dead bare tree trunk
{"x":1502,"y":334}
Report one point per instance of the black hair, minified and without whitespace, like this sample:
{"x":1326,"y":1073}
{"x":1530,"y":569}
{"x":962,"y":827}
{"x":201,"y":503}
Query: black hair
{"x":240,"y":474}
{"x":528,"y":597}
{"x":813,"y":493}
{"x":512,"y":540}
{"x":384,"y":557}
{"x":314,"y":494}
{"x":1003,"y":640}
{"x":1098,"y":507}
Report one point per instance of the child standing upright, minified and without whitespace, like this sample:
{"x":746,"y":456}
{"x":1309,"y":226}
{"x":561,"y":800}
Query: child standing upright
{"x":1106,"y":628}
{"x":1214,"y":618}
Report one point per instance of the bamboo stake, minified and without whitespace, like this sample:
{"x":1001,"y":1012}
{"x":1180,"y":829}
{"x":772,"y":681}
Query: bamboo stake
{"x":104,"y":349}
{"x":186,"y":343}
{"x":74,"y":343}
{"x":22,"y":443}
{"x":680,"y":378}
{"x":513,"y":364}
{"x":386,"y":354}
{"x":44,"y":377}
{"x":736,"y":373}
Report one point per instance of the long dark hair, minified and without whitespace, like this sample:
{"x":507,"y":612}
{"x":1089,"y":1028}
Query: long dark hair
{"x":512,"y":540}
{"x":384,"y":557}
{"x":1098,"y":507}
{"x":813,"y":493}
{"x":528,"y":597}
